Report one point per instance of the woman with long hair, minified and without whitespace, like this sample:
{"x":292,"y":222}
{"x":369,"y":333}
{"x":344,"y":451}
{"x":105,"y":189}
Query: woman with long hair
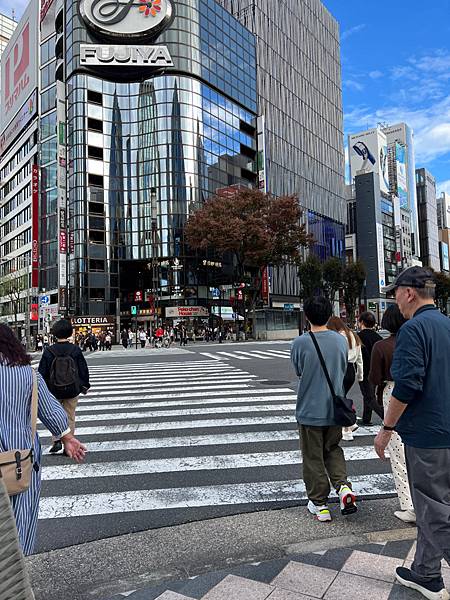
{"x":380,"y":375}
{"x":16,"y":384}
{"x":355,"y":366}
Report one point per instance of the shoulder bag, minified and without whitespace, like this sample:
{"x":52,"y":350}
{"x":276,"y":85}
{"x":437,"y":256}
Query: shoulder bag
{"x":344,"y":413}
{"x":16,"y":466}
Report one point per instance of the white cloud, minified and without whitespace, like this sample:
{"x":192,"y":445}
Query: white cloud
{"x":431,"y":125}
{"x":375,"y":74}
{"x":348,"y":32}
{"x":19,"y":6}
{"x":443,"y":186}
{"x":353,"y":85}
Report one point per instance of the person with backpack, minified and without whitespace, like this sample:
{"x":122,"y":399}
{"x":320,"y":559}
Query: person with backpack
{"x":66,"y":374}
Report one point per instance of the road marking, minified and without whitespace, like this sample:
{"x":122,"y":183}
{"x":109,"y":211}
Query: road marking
{"x":255,"y":354}
{"x":210,"y":392}
{"x":292,"y":491}
{"x":191,"y":463}
{"x":169,"y":425}
{"x":210,"y":355}
{"x":189,"y":402}
{"x":160,"y":382}
{"x":162,"y":388}
{"x":234,"y":355}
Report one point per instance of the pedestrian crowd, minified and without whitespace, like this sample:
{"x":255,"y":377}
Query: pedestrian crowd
{"x":404,"y":378}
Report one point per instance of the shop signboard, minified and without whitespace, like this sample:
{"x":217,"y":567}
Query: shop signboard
{"x":186,"y":312}
{"x":89,"y":321}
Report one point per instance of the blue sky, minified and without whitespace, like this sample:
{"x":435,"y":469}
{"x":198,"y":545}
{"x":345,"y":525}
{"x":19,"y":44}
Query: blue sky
{"x":395,"y":67}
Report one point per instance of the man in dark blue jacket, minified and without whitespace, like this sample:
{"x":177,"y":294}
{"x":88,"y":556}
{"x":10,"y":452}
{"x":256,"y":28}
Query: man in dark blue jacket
{"x":419,"y":411}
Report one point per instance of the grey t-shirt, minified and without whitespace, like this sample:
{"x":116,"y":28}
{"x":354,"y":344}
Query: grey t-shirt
{"x":314,"y":399}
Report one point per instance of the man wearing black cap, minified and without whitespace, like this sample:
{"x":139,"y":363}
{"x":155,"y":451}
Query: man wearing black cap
{"x":419,"y":410}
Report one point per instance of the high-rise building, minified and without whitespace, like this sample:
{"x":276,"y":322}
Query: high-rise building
{"x":300,"y":102}
{"x":428,"y":220}
{"x":443,"y":220}
{"x":7,"y":27}
{"x":19,"y":177}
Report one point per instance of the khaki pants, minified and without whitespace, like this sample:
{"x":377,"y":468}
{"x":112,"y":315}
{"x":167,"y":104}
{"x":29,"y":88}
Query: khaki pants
{"x":70,"y":406}
{"x":323,"y":461}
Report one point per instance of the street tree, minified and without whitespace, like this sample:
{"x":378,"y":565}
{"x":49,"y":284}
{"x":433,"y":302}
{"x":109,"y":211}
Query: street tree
{"x":310,"y":276}
{"x":353,"y":279}
{"x":12,"y":288}
{"x":255,"y":228}
{"x":332,"y":270}
{"x":442,"y":292}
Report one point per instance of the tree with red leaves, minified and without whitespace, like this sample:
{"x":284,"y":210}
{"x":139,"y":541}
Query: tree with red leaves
{"x":257,"y":229}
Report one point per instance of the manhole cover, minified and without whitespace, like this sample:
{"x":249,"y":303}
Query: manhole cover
{"x":275,"y":382}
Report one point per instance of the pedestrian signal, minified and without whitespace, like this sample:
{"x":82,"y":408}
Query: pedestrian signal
{"x":134,"y":310}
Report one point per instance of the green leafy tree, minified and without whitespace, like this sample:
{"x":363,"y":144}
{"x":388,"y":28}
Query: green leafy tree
{"x":354,"y":275}
{"x":442,"y":293}
{"x":310,"y":276}
{"x":255,"y":228}
{"x":333,"y":271}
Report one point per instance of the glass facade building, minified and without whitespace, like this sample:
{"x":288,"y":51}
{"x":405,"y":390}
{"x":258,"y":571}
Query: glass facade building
{"x":145,"y":149}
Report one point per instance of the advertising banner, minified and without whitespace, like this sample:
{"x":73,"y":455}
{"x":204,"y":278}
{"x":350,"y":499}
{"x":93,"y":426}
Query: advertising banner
{"x":402,"y":182}
{"x":381,"y":268}
{"x":186,"y":312}
{"x":19,"y":66}
{"x":35,"y":226}
{"x":368,"y":154}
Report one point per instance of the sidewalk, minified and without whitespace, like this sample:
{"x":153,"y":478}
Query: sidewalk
{"x":360,"y":571}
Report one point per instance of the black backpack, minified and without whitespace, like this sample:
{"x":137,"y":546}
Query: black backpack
{"x":64,"y":381}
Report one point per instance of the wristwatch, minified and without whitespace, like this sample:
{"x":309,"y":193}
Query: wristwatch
{"x":387,"y":428}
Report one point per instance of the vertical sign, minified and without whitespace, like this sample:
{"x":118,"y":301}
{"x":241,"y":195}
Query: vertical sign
{"x":35,"y":226}
{"x":62,"y":193}
{"x":261,"y":156}
{"x":381,"y":269}
{"x":265,"y":285}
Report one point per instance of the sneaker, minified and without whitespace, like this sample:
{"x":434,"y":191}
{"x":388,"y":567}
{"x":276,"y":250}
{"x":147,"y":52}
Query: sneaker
{"x":433,"y":589}
{"x":354,"y":427}
{"x":347,"y":500}
{"x":56,"y":448}
{"x":407,"y":516}
{"x":321,"y":513}
{"x":347,"y":436}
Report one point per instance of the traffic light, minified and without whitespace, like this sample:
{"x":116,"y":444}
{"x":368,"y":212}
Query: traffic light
{"x":133,"y":311}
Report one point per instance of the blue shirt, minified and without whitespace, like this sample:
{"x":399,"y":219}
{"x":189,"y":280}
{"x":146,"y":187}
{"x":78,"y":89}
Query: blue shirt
{"x":421,"y":372}
{"x":314,"y":400}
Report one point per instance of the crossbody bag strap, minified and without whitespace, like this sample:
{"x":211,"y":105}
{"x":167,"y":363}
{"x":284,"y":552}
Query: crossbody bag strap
{"x":34,"y":407}
{"x":322,"y":362}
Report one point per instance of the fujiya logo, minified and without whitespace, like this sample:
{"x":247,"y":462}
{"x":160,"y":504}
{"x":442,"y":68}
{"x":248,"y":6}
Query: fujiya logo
{"x":16,"y":69}
{"x":127,"y":18}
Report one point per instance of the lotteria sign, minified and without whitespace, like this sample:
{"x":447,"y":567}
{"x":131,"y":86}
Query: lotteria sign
{"x":137,"y":19}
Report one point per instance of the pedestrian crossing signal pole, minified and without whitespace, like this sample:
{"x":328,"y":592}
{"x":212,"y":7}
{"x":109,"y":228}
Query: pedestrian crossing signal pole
{"x":134,"y":314}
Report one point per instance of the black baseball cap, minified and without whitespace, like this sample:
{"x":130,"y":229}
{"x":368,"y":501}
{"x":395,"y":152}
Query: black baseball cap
{"x":414,"y":277}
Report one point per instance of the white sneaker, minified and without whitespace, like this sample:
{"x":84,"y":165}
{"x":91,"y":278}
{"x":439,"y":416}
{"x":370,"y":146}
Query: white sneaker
{"x":321,"y":513}
{"x":347,"y":436}
{"x":407,"y":516}
{"x":354,"y":427}
{"x":347,"y":500}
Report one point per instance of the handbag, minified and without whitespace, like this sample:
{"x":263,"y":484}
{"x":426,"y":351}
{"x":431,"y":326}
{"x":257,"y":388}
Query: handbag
{"x":16,"y":466}
{"x":344,"y":413}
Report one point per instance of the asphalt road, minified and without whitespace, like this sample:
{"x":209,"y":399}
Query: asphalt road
{"x":176,"y":436}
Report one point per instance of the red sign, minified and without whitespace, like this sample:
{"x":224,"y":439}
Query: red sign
{"x":265,"y":285}
{"x":34,"y":312}
{"x":45,"y":8}
{"x":35,"y":226}
{"x":138,"y":296}
{"x":62,"y":241}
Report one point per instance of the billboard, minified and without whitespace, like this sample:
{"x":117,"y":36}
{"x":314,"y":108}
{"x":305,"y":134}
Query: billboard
{"x":368,"y":154}
{"x":19,"y":65}
{"x":402,"y":180}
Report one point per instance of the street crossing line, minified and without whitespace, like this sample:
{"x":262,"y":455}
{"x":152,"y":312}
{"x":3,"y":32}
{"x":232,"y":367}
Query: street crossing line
{"x":196,"y":497}
{"x":192,"y":463}
{"x":249,"y":354}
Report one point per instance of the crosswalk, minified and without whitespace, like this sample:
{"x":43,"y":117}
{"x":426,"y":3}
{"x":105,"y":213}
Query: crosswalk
{"x":248,"y":355}
{"x":172,"y":442}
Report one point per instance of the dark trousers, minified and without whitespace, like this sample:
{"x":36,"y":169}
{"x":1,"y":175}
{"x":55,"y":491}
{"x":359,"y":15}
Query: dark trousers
{"x":369,"y":401}
{"x":349,"y":377}
{"x":323,"y":461}
{"x":429,"y":479}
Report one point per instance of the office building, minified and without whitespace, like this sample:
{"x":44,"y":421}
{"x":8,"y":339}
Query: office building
{"x":443,"y":220}
{"x":428,"y":220}
{"x":19,"y":177}
{"x":7,"y":27}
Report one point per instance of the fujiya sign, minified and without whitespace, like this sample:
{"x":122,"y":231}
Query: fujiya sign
{"x":154,"y":56}
{"x":127,"y":18}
